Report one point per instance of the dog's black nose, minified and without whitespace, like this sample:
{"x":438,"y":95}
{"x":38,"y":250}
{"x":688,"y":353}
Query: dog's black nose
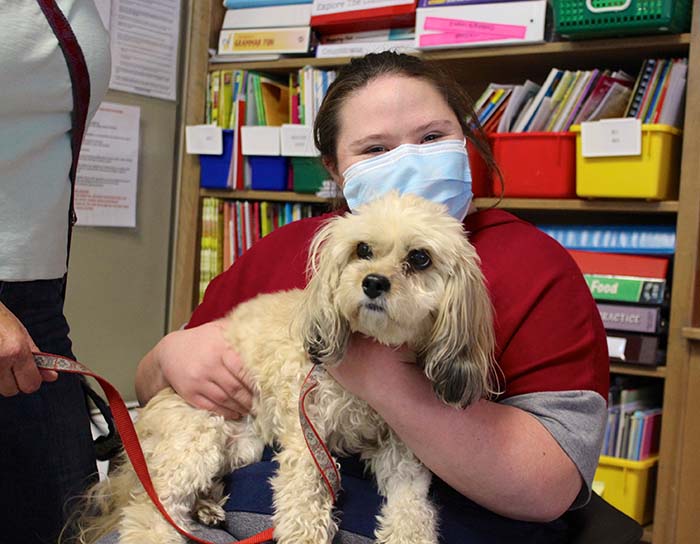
{"x":374,"y":285}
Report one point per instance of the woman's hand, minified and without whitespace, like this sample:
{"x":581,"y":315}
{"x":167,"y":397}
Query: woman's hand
{"x":199,"y":364}
{"x":18,"y":371}
{"x":368,"y":366}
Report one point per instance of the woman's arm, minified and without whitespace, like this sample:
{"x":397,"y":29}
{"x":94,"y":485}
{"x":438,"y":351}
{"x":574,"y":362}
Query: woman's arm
{"x":201,"y":367}
{"x":499,"y":456}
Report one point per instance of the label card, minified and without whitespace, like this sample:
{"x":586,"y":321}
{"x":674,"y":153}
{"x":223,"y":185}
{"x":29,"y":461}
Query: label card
{"x":204,"y":140}
{"x":616,"y":347}
{"x":611,"y":138}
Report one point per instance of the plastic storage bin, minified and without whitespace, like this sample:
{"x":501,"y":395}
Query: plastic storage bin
{"x":214,"y":169}
{"x":597,"y":18}
{"x":628,"y":485}
{"x":309,"y":174}
{"x":481,"y":182}
{"x":653,"y":175}
{"x":268,"y":173}
{"x":535,"y":164}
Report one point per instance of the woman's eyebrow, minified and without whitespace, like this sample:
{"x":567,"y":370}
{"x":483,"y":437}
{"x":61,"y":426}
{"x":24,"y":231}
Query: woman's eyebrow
{"x":436,"y":124}
{"x":364,"y":140}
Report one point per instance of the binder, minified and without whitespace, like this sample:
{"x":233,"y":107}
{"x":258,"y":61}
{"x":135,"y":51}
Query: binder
{"x":479,"y":24}
{"x":632,"y":318}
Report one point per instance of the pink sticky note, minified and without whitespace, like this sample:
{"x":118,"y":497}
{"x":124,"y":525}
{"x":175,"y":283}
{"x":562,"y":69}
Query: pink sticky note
{"x":455,"y":38}
{"x":443,"y":24}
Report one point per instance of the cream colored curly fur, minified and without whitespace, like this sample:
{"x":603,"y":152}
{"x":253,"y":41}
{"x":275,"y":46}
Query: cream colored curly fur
{"x":442,"y":312}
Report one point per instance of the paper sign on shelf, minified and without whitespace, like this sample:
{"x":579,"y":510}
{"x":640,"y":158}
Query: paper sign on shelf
{"x":260,"y":140}
{"x":611,"y":138}
{"x":204,"y":140}
{"x":298,"y":141}
{"x":616,"y":347}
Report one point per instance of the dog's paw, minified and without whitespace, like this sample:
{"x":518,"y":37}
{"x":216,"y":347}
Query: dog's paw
{"x":210,"y":512}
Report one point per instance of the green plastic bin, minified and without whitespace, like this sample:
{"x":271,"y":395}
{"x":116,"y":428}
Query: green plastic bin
{"x":308,"y":174}
{"x":599,"y":18}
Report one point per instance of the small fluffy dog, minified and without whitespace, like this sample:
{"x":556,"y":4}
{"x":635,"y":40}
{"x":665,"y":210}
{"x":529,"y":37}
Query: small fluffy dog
{"x":399,"y":270}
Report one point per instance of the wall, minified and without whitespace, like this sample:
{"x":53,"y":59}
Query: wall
{"x":116,"y":301}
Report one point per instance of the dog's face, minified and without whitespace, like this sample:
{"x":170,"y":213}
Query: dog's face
{"x":402,"y":271}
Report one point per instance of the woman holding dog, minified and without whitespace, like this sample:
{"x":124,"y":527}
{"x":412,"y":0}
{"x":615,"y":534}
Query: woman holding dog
{"x":505,"y":468}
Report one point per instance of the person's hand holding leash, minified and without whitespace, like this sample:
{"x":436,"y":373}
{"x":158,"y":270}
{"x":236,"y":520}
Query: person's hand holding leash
{"x":18,"y":373}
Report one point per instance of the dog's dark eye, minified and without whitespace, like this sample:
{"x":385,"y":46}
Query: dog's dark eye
{"x":364,"y":251}
{"x":419,"y":259}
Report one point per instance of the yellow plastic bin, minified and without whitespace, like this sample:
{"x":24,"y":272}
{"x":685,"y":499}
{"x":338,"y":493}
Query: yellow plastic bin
{"x":653,"y":175}
{"x":628,"y":485}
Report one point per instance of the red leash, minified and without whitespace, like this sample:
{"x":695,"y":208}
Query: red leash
{"x":125,"y":426}
{"x":322,"y":457}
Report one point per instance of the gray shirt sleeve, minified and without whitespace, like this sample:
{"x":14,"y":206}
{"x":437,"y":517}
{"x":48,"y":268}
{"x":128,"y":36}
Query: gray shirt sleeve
{"x":576,"y":420}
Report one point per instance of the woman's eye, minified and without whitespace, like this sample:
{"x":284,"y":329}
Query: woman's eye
{"x":431,"y":137}
{"x":364,"y":251}
{"x":419,"y":259}
{"x":375,"y":149}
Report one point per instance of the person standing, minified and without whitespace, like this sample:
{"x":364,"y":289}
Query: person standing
{"x":55,"y":67}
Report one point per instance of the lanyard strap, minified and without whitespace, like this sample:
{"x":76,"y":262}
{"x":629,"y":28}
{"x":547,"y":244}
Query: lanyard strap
{"x":322,"y":457}
{"x":80,"y":85}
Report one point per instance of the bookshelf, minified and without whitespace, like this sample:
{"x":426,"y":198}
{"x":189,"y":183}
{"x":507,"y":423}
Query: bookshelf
{"x":675,"y":517}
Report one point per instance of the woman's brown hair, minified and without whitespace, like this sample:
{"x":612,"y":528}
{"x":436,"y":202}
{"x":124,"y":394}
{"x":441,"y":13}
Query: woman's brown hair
{"x":360,"y":71}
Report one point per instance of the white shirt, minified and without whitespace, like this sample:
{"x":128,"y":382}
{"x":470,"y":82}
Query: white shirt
{"x":36,"y":102}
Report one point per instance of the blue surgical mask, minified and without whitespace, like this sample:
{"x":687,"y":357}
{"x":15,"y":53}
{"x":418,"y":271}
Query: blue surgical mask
{"x":438,"y":172}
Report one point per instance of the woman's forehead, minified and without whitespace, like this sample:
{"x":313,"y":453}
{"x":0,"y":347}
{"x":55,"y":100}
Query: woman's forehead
{"x":392,"y":102}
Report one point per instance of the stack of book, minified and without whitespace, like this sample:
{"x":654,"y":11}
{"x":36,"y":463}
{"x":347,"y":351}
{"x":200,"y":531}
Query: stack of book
{"x":357,"y":44}
{"x":307,"y":87}
{"x":659,"y":92}
{"x":569,"y":98}
{"x":265,"y":30}
{"x":238,"y":98}
{"x":229,"y":228}
{"x":632,"y":293}
{"x":349,"y":28}
{"x":634,"y":419}
{"x":469,"y":23}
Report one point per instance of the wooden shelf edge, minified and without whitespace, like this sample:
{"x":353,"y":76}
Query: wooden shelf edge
{"x":577,"y":204}
{"x":540,"y":204}
{"x":637,"y":370}
{"x":648,"y":531}
{"x":617,"y":45}
{"x":691,"y":333}
{"x":277,"y":196}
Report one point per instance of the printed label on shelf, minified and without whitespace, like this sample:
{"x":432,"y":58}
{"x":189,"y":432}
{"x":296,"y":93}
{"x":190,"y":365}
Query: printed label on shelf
{"x":616,"y":347}
{"x":611,"y":138}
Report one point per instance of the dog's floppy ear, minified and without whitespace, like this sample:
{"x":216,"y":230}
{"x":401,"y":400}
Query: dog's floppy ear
{"x":324,"y":330}
{"x":458,"y":359}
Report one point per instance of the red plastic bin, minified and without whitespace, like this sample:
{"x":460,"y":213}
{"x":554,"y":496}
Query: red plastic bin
{"x":533,"y":164}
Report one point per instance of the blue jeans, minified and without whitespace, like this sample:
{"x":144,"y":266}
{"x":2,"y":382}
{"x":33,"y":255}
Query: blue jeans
{"x":46,"y":450}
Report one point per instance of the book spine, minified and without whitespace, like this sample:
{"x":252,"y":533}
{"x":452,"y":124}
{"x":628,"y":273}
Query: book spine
{"x":631,"y":318}
{"x":624,"y":289}
{"x":264,"y":40}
